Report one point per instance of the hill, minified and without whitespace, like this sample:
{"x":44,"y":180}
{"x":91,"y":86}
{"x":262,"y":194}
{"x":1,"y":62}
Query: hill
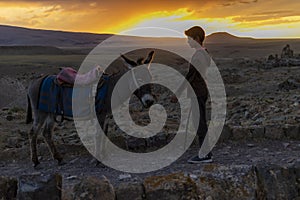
{"x":18,"y":36}
{"x":224,"y":37}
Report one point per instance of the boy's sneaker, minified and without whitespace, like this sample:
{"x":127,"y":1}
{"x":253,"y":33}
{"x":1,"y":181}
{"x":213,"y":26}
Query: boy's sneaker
{"x":196,"y":159}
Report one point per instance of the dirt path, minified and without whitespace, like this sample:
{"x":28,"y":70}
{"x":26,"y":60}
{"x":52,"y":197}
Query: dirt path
{"x":15,"y":161}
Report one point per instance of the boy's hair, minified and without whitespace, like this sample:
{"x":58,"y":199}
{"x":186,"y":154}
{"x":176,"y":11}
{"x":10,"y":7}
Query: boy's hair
{"x":196,"y":31}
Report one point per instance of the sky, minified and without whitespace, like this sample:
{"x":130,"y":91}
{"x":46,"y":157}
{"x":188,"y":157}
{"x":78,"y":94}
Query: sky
{"x":250,"y":18}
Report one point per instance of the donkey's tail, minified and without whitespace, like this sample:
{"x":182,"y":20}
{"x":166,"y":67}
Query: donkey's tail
{"x":29,"y":111}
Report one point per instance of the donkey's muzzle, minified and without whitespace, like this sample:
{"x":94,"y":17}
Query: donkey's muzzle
{"x":147,"y":100}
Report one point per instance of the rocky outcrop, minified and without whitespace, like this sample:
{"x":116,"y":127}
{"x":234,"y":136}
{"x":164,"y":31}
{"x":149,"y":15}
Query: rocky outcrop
{"x":287,"y":52}
{"x":8,"y":188}
{"x":130,"y":190}
{"x":170,"y":187}
{"x":32,"y":187}
{"x":259,"y":132}
{"x":92,"y":188}
{"x":289,"y":84}
{"x":287,"y":59}
{"x":276,"y":182}
{"x":227,"y":182}
{"x":208,"y":182}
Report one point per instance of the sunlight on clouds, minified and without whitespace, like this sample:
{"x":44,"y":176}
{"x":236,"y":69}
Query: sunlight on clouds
{"x":283,"y":30}
{"x":283,"y":27}
{"x":53,"y":16}
{"x":183,"y":19}
{"x":241,"y":19}
{"x":25,"y":15}
{"x":152,"y":19}
{"x":179,"y":21}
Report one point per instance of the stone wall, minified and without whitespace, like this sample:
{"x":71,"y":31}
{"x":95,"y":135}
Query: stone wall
{"x":210,"y":182}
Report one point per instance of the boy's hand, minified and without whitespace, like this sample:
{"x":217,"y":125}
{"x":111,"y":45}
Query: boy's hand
{"x":99,"y":70}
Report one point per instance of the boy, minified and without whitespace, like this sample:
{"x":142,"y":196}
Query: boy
{"x":201,"y":59}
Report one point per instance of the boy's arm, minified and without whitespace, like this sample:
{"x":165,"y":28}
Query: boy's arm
{"x":183,"y":85}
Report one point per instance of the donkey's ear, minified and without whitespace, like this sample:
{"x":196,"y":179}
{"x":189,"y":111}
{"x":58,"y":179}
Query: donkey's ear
{"x":128,"y":63}
{"x":149,"y":58}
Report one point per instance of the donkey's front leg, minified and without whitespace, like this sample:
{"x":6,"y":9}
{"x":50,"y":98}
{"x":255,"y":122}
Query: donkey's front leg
{"x":47,"y":133}
{"x":100,"y":142}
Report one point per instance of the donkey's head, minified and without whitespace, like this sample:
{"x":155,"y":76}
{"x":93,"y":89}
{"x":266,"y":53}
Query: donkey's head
{"x":143,"y":93}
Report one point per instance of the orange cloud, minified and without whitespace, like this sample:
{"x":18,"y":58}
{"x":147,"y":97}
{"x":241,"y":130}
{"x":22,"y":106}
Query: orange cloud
{"x":240,"y":17}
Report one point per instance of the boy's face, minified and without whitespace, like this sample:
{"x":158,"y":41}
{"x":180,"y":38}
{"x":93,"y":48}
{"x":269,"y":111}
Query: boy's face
{"x":193,"y":42}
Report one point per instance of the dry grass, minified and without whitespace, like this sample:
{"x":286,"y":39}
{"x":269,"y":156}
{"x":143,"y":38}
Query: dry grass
{"x":13,"y":93}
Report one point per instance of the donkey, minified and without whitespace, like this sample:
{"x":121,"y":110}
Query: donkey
{"x":47,"y":120}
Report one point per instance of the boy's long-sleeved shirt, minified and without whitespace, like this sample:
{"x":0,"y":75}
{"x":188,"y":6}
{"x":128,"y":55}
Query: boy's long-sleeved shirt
{"x":201,"y":60}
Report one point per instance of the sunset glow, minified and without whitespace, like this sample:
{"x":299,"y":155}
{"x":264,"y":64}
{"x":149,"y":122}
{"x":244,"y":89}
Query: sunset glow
{"x":251,"y":18}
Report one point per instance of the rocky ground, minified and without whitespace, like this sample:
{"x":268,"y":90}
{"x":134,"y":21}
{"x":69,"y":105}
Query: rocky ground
{"x":256,"y":157}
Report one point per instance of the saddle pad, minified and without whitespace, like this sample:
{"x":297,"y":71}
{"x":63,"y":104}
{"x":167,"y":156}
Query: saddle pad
{"x":68,"y":75}
{"x":58,"y":99}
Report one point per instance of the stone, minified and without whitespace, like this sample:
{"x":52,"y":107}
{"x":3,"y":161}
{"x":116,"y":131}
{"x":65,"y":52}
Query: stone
{"x":193,"y":176}
{"x":227,"y":182}
{"x":123,"y":177}
{"x":292,"y":131}
{"x":289,"y":84}
{"x":5,"y":108}
{"x":8,"y":188}
{"x":170,"y":187}
{"x":239,"y":132}
{"x":226,"y":133}
{"x":32,"y":187}
{"x":92,"y":188}
{"x":132,"y":191}
{"x":9,"y":117}
{"x":275,"y":182}
{"x":251,"y":145}
{"x":271,"y":57}
{"x":72,"y":177}
{"x":274,"y":132}
{"x":257,"y":132}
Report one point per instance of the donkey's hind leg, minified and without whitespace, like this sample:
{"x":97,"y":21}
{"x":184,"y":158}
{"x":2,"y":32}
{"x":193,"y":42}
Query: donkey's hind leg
{"x":38,"y":123}
{"x":35,"y":129}
{"x":47,"y":133}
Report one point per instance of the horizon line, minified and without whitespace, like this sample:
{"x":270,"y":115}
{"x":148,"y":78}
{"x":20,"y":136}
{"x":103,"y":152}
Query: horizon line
{"x":152,"y":36}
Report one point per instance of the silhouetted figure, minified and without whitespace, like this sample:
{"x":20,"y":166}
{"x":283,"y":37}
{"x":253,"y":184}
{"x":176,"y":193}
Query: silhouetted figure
{"x":196,"y":36}
{"x":287,"y":52}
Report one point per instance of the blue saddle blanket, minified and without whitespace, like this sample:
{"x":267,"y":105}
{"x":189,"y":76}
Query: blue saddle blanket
{"x":57,"y":99}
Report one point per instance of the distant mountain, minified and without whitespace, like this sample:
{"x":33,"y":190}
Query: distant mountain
{"x":19,"y":36}
{"x":224,"y":37}
{"x":11,"y":36}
